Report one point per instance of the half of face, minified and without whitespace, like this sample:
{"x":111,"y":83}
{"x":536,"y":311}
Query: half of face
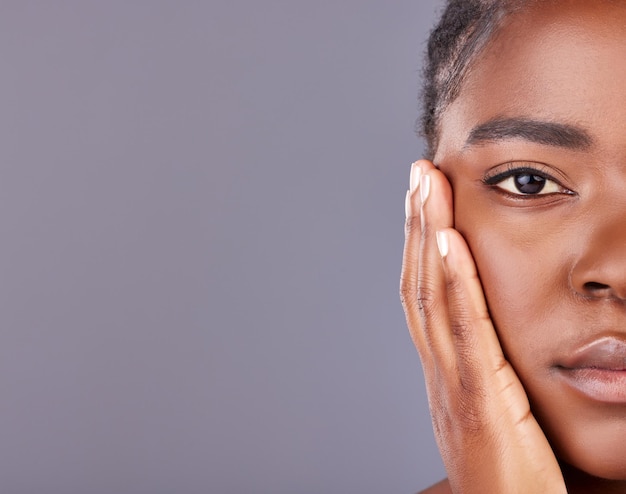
{"x":535,"y":149}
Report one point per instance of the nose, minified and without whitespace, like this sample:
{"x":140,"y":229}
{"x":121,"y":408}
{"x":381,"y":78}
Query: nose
{"x":600,"y":272}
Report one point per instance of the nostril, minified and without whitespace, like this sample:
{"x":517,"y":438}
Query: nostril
{"x":592,"y":286}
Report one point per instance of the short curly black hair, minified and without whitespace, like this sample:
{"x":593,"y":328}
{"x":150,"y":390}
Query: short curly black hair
{"x":465,"y":28}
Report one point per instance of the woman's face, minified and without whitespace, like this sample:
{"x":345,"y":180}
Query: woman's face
{"x":548,"y":97}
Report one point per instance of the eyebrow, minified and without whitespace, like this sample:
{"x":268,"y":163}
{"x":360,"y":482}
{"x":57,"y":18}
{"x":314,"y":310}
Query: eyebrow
{"x":540,"y":132}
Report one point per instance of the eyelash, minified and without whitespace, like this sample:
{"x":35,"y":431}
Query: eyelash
{"x":512,"y":171}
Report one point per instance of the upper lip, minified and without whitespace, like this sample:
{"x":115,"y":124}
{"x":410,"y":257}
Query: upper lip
{"x":606,"y":353}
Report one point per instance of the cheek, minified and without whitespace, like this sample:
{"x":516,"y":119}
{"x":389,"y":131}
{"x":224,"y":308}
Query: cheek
{"x":524,"y":276}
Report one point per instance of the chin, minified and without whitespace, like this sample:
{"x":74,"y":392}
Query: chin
{"x":608,"y":467}
{"x":596,"y":451}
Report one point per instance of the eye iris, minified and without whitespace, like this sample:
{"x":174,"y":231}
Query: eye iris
{"x":529,"y":184}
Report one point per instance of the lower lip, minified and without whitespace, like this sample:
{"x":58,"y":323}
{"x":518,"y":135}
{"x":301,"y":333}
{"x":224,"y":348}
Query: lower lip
{"x":608,"y":386}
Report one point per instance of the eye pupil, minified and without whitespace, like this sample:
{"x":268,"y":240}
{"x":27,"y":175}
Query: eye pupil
{"x":529,"y":184}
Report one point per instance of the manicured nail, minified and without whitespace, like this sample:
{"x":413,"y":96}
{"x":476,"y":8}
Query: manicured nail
{"x":407,"y":204}
{"x":442,"y":243}
{"x":416,"y":173}
{"x":424,"y":188}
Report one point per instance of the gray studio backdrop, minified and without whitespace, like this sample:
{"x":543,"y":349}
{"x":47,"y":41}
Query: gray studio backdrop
{"x":201,"y":207}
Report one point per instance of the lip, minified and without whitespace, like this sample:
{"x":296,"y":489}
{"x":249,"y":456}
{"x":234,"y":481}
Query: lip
{"x":598,"y":370}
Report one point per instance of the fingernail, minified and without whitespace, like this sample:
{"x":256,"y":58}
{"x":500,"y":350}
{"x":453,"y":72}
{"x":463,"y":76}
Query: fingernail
{"x":424,"y":188}
{"x":442,"y":243}
{"x":416,"y":173}
{"x":407,"y":204}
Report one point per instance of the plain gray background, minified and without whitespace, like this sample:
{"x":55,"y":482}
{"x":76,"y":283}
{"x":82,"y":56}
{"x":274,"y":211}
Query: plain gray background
{"x":201,"y":214}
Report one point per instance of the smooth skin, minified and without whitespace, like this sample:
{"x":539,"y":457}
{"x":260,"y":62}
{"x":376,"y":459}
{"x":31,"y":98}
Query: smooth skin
{"x":526,"y":279}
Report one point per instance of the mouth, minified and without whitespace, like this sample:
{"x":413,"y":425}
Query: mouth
{"x":598,"y":370}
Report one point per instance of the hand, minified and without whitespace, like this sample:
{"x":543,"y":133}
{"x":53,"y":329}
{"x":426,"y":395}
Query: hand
{"x":489,"y":440}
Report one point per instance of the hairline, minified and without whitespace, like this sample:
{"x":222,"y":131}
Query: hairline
{"x":476,"y":42}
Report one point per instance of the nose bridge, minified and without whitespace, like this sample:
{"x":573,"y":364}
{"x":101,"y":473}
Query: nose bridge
{"x":601,"y":268}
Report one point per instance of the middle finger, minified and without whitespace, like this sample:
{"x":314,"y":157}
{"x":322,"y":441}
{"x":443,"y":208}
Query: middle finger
{"x":436,"y":214}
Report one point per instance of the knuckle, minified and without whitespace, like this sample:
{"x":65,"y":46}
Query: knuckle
{"x":408,"y":293}
{"x":472,"y":405}
{"x":453,"y":283}
{"x":463,"y":410}
{"x":471,"y":419}
{"x":413,"y":224}
{"x":460,"y":327}
{"x":471,"y":386}
{"x":426,"y":300}
{"x":502,"y":366}
{"x":526,"y":417}
{"x":466,"y":321}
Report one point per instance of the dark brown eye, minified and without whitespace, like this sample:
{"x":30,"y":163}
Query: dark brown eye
{"x":529,"y":184}
{"x":525,"y":183}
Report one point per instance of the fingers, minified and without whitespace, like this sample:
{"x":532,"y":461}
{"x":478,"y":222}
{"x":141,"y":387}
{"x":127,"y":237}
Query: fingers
{"x":479,"y":352}
{"x":444,"y":304}
{"x":443,"y":299}
{"x":436,"y":214}
{"x":428,"y":207}
{"x":410,"y":261}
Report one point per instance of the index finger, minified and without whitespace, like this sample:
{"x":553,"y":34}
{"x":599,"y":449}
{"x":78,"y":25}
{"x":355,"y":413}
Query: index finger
{"x":409,"y":278}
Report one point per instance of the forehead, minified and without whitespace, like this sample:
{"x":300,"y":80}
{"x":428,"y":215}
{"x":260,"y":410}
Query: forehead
{"x":556,"y":60}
